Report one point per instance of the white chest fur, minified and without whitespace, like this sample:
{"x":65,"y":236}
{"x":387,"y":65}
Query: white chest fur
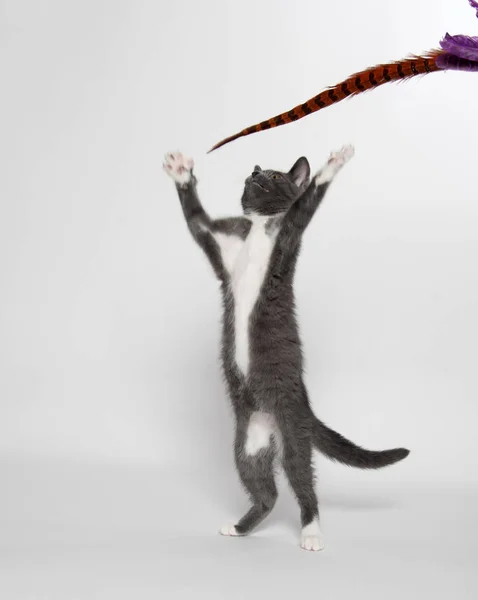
{"x":247,"y":265}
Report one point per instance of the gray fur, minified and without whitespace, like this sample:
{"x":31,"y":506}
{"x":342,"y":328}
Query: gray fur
{"x":274,"y":383}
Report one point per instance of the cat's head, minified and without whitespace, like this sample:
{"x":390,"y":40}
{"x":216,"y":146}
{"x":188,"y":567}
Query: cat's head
{"x":272,"y":192}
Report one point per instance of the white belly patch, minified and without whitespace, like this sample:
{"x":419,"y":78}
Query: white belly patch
{"x":247,"y":278}
{"x":247,"y":263}
{"x":261,"y":428}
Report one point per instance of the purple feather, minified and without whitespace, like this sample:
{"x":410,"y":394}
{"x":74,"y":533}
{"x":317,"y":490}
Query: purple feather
{"x":462,"y":46}
{"x":452,"y":62}
{"x":474,"y":5}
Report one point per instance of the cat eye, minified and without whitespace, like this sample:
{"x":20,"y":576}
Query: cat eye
{"x":275,"y":176}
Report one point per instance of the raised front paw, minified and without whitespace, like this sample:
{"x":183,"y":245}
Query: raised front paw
{"x":336,"y":161}
{"x":178,"y":167}
{"x":342,"y":156}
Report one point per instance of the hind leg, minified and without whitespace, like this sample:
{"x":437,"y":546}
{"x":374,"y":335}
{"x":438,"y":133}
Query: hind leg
{"x":254,"y":455}
{"x":298,"y":466}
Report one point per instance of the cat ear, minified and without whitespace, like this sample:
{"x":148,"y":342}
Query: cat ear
{"x":300,"y":172}
{"x":257,"y":168}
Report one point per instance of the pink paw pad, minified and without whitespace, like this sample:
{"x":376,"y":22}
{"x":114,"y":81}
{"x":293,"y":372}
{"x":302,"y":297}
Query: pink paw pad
{"x":178,"y":167}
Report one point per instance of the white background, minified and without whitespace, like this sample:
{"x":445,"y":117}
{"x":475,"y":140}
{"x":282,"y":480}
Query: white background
{"x":115,"y":431}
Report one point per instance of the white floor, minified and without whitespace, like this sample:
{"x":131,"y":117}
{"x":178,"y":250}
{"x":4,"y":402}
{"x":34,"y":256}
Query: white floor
{"x":78,"y":531}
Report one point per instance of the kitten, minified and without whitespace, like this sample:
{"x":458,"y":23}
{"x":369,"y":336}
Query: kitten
{"x":254,"y":257}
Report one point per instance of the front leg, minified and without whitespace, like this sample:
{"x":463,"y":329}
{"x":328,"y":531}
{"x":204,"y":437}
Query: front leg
{"x":180,"y":169}
{"x":219,"y":239}
{"x":301,"y":212}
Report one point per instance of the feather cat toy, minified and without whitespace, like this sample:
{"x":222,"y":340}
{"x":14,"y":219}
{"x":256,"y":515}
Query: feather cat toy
{"x":457,"y":52}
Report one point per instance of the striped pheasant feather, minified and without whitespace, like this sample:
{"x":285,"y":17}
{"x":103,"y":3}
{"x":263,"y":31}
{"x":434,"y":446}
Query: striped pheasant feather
{"x":457,"y":52}
{"x":355,"y":84}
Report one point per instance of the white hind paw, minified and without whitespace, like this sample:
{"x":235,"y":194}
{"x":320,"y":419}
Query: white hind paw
{"x":229,"y":530}
{"x":313,"y":543}
{"x":311,"y":538}
{"x":178,"y":167}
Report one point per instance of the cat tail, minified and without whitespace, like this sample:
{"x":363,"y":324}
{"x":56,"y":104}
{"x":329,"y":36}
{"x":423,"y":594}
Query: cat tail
{"x":336,"y":447}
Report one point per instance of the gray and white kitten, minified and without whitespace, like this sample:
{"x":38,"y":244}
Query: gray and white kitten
{"x":254,"y":257}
